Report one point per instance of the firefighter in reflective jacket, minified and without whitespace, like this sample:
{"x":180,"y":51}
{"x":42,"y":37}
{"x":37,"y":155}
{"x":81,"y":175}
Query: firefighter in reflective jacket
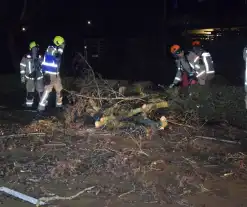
{"x":31,"y":74}
{"x":185,"y":73}
{"x":206,"y":71}
{"x":245,"y":76}
{"x":50,"y":68}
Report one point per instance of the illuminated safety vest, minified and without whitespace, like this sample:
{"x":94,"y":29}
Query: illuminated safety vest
{"x":51,"y":62}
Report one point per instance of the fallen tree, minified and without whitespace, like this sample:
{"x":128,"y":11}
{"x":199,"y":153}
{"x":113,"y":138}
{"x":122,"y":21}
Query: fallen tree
{"x":116,"y":106}
{"x":112,"y":107}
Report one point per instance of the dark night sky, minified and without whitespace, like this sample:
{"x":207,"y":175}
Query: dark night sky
{"x":108,"y":16}
{"x":111,"y":17}
{"x":69,"y":19}
{"x":117,"y":17}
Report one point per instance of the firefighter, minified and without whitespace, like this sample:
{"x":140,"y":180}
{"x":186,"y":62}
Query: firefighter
{"x":185,"y":73}
{"x":31,"y":74}
{"x":205,"y":71}
{"x":245,"y":76}
{"x":197,"y":47}
{"x":50,"y":68}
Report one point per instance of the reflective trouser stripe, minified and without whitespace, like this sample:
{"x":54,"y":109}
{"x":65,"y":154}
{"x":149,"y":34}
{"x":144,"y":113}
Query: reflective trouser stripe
{"x":38,"y":78}
{"x":44,"y":97}
{"x":29,"y":102}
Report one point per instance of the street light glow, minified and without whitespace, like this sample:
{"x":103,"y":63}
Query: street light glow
{"x":23,"y":29}
{"x":89,"y":22}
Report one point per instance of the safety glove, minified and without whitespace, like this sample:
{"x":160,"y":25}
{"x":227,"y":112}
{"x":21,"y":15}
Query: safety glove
{"x":172,"y":85}
{"x":23,"y":79}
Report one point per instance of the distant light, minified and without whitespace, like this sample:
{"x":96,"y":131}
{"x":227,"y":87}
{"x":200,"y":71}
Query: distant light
{"x":201,"y":31}
{"x":23,"y":29}
{"x":89,"y":22}
{"x":85,"y":47}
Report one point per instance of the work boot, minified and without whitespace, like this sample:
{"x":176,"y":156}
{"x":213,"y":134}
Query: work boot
{"x":41,"y":108}
{"x":24,"y":105}
{"x":29,"y":99}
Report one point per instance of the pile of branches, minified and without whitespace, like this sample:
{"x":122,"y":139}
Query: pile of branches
{"x":111,"y":105}
{"x":114,"y":106}
{"x":210,"y":104}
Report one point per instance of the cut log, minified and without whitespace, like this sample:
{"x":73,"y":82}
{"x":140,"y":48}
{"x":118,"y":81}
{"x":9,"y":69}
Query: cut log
{"x":116,"y":121}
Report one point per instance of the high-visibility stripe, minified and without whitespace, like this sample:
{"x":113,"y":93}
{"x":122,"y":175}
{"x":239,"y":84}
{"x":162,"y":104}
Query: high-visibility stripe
{"x":200,"y":74}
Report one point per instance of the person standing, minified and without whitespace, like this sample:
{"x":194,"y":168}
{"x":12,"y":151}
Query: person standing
{"x":31,"y":74}
{"x":51,"y":68}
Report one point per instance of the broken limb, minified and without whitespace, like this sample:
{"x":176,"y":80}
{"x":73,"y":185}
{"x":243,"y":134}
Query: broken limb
{"x":146,"y":109}
{"x":220,"y":140}
{"x":55,"y":198}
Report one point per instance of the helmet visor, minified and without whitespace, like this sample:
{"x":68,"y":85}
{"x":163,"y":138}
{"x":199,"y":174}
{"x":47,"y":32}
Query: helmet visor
{"x":178,"y":51}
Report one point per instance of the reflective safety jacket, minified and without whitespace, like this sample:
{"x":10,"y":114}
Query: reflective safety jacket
{"x":29,"y":69}
{"x":185,"y":64}
{"x":52,"y":58}
{"x":205,"y":63}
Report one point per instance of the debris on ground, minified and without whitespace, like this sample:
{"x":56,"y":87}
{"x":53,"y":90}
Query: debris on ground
{"x":137,"y":147}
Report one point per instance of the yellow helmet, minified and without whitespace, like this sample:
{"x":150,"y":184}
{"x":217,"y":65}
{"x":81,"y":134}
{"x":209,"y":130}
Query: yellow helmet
{"x":58,"y":40}
{"x":32,"y":45}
